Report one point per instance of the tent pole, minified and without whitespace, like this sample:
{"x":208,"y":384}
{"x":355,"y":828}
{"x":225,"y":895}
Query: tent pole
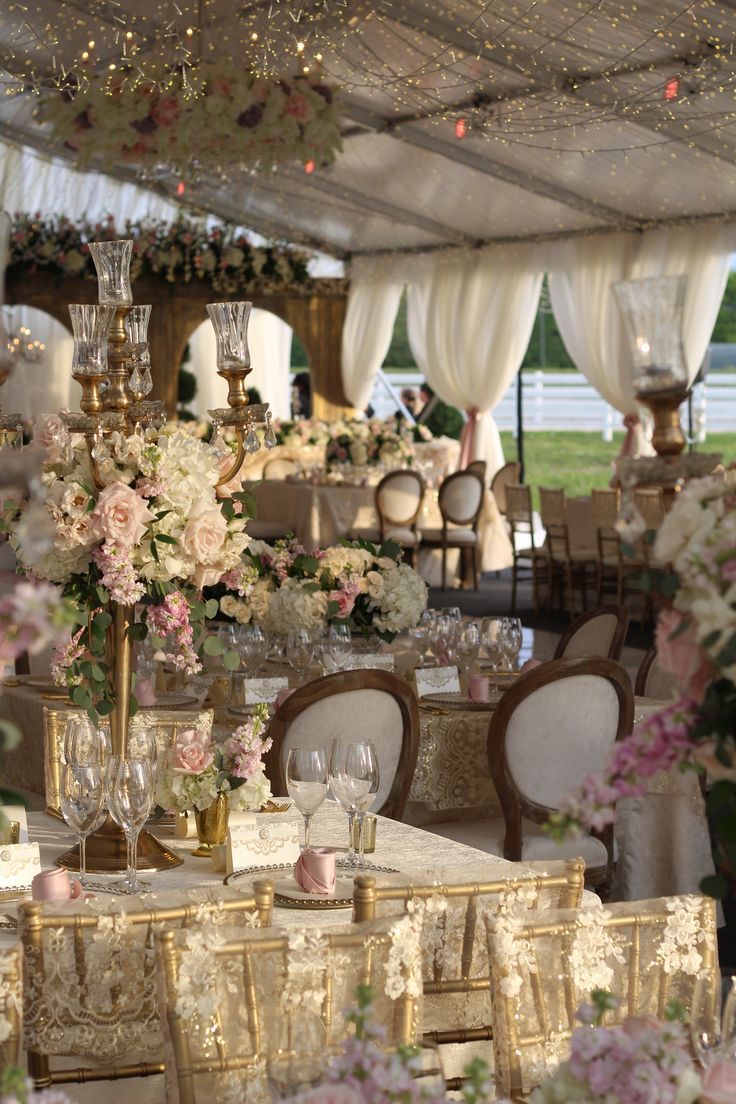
{"x":520,"y":422}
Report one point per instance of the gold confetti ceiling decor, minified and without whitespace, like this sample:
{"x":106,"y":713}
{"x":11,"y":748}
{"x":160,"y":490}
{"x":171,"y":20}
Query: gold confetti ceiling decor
{"x":461,"y":121}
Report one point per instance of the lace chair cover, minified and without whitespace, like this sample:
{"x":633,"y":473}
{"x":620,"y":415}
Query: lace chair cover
{"x":544,"y":964}
{"x":166,"y":724}
{"x":230,"y":1000}
{"x":11,"y":988}
{"x":89,"y":967}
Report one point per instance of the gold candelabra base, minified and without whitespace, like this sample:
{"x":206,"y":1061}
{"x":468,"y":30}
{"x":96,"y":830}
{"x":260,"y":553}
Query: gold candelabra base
{"x":107,"y":852}
{"x":667,"y":436}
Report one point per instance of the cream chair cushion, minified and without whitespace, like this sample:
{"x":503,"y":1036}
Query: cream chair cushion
{"x":454,"y":536}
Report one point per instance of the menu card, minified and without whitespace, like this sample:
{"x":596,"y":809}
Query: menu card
{"x":374,"y":662}
{"x":437,"y":680}
{"x":261,"y":844}
{"x":258,"y":690}
{"x":19,"y":864}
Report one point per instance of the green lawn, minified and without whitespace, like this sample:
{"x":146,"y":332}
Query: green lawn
{"x":579,"y":461}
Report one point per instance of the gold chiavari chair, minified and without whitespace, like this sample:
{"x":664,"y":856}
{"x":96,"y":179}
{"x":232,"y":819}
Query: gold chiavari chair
{"x":89,"y":978}
{"x":166,"y":723}
{"x":11,"y":998}
{"x":521,"y":520}
{"x":566,"y":564}
{"x":228,"y":1009}
{"x":455,"y":958}
{"x":544,"y":964}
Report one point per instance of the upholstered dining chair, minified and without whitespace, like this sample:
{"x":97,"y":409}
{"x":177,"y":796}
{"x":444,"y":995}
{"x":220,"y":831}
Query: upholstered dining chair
{"x":89,"y":979}
{"x":545,"y":964}
{"x":480,"y":467}
{"x":505,"y":477}
{"x":460,"y":499}
{"x":567,"y":565}
{"x":529,"y":556}
{"x":398,"y":499}
{"x":600,"y":632}
{"x":552,"y":728}
{"x":651,"y":681}
{"x":355,"y":705}
{"x":617,"y":566}
{"x":230,"y":1005}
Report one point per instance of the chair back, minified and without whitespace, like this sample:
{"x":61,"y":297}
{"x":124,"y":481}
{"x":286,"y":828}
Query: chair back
{"x":552,"y":506}
{"x":356,"y":705}
{"x":165,"y":723}
{"x":652,"y":681}
{"x":11,"y":1003}
{"x":552,"y":728}
{"x":545,"y":964}
{"x":480,"y":468}
{"x":505,"y":477}
{"x":519,"y":505}
{"x":230,"y":1005}
{"x":89,"y":986}
{"x":600,"y":632}
{"x":460,"y":498}
{"x":280,"y":467}
{"x":649,"y":502}
{"x":606,"y":503}
{"x":399,"y":498}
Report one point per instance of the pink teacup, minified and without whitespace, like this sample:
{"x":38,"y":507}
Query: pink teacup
{"x":478,"y":688}
{"x":55,"y":885}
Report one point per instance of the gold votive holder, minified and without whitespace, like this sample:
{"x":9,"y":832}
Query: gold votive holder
{"x":10,"y":832}
{"x":369,"y":834}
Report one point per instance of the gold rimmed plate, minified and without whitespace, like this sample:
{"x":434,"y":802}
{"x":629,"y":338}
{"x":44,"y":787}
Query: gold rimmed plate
{"x":173,"y":701}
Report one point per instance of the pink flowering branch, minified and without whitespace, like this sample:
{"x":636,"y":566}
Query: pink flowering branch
{"x":171,"y":619}
{"x":118,"y":574}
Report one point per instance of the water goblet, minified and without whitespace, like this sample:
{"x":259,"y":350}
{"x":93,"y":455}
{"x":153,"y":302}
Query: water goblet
{"x":306,"y":782}
{"x":468,"y":645}
{"x":492,"y":638}
{"x":340,"y":644}
{"x":82,"y":800}
{"x":130,"y":798}
{"x":84,"y":743}
{"x":354,"y":780}
{"x":712,"y":1039}
{"x":254,"y":647}
{"x":299,"y":651}
{"x":511,"y":639}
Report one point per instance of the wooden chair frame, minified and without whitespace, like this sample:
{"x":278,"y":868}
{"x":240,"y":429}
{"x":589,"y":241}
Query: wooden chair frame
{"x":513,"y":804}
{"x":478,"y":467}
{"x":341,"y":683}
{"x":384,"y":520}
{"x":640,"y":682}
{"x":187,"y":1068}
{"x":31,"y":925}
{"x":619,"y":636}
{"x":537,"y":557}
{"x":505,"y":476}
{"x":445,"y":540}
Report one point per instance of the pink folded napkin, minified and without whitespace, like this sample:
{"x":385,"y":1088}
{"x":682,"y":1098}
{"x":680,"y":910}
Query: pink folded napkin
{"x":144,"y":692}
{"x":478,"y":688}
{"x":55,"y":885}
{"x":315,"y":870}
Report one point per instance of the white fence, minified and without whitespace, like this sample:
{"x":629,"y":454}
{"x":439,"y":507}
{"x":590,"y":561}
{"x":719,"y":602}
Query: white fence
{"x":565,"y":400}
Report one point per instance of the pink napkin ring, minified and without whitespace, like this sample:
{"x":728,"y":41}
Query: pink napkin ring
{"x":55,"y":885}
{"x":315,"y":870}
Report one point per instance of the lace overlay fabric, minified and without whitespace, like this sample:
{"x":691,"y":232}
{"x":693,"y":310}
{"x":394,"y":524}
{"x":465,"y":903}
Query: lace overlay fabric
{"x":545,"y":963}
{"x":11,"y":1001}
{"x":90,"y":991}
{"x":452,"y":765}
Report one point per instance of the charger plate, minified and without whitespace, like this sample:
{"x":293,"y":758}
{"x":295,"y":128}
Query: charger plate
{"x":172,"y":701}
{"x":288,"y":894}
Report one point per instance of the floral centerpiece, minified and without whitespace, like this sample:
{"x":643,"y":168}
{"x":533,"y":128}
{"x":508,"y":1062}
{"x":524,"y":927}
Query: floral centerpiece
{"x":222,"y":114}
{"x":365,"y":586}
{"x":301,"y":432}
{"x":370,"y":443}
{"x":153,"y":534}
{"x":695,"y":554}
{"x":196,"y":773}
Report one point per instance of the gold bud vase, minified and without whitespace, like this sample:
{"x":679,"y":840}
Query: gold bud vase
{"x":211,"y":826}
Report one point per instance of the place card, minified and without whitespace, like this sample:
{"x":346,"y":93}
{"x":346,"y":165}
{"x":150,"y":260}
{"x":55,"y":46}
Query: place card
{"x":19,"y":865}
{"x":258,"y":690}
{"x":17,"y":813}
{"x":261,"y":844}
{"x":373,"y":662}
{"x":437,"y":680}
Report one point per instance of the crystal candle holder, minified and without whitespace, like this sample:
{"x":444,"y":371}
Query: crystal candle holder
{"x":230,"y":323}
{"x":112,"y":261}
{"x":90,"y":328}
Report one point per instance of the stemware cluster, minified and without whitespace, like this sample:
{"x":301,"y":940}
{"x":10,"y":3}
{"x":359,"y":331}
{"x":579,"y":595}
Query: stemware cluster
{"x":94,"y":782}
{"x":443,"y":636}
{"x":350,"y":770}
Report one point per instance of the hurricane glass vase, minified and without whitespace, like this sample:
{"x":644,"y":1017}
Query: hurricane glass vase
{"x":112,"y":262}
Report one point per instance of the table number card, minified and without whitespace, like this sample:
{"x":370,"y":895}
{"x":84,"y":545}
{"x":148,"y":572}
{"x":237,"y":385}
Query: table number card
{"x":437,"y":680}
{"x":19,"y":864}
{"x":261,"y":845}
{"x":374,"y":662}
{"x":258,"y":690}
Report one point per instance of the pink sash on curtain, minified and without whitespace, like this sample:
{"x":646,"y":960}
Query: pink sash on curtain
{"x":628,"y":445}
{"x":467,"y":438}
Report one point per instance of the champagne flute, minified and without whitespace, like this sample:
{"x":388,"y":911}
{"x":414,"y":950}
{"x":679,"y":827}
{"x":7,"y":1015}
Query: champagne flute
{"x":299,"y":651}
{"x":492,"y":640}
{"x":364,"y":769}
{"x":81,"y":799}
{"x":511,"y":639}
{"x":354,"y":779}
{"x":306,"y":782}
{"x":468,"y":645}
{"x":130,"y":797}
{"x":340,"y":644}
{"x":711,"y":1038}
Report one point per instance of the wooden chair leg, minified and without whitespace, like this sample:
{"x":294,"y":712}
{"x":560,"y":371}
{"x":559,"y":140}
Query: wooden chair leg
{"x":514,"y":574}
{"x":444,"y":567}
{"x":570,"y":591}
{"x":476,"y":553}
{"x":535,"y":586}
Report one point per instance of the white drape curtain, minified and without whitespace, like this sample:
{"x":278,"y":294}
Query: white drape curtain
{"x":373,"y":302}
{"x":470,"y":317}
{"x":269,"y":341}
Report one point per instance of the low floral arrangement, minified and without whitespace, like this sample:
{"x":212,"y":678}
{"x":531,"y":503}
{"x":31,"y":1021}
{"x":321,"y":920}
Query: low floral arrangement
{"x":197,"y":772}
{"x":356,"y":582}
{"x":154,"y":534}
{"x":221,"y":115}
{"x":363,"y":1072}
{"x":695,"y":554}
{"x":302,"y":431}
{"x":373,"y":442}
{"x":182,"y":251}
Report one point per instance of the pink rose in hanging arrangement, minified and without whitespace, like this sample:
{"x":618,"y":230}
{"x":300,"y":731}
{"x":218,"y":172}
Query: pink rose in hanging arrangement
{"x":679,"y":653}
{"x":120,"y":515}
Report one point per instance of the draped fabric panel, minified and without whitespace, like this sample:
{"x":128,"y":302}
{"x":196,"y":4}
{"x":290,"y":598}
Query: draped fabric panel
{"x":373,"y":302}
{"x":269,"y":340}
{"x":46,"y":386}
{"x":470,"y":317}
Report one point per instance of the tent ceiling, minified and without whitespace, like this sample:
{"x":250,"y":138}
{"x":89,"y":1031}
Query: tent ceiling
{"x":570,"y":129}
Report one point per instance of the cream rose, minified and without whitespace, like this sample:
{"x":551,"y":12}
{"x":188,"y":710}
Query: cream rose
{"x":120,"y":515}
{"x":204,"y":534}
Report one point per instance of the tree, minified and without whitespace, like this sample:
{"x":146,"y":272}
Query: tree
{"x":725,"y":327}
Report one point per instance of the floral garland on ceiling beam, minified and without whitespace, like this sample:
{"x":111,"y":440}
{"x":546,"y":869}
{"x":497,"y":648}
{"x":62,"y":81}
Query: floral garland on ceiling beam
{"x":179,"y":252}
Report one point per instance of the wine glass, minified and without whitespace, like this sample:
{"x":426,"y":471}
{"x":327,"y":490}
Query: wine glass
{"x":468,"y":645}
{"x":299,"y":651}
{"x":710,"y":1038}
{"x":142,"y":744}
{"x":511,"y":639}
{"x":306,"y":782}
{"x":130,"y":798}
{"x":492,"y":638}
{"x":340,"y":645}
{"x":228,"y":634}
{"x":354,"y":780}
{"x":81,"y":799}
{"x":84,"y":743}
{"x":254,"y":647}
{"x":446,"y":629}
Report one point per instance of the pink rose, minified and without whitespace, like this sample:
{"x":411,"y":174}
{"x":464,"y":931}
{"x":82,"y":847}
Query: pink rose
{"x":719,"y":1083}
{"x":682,"y":656}
{"x":345,"y":601}
{"x":206,"y":576}
{"x":189,"y":754}
{"x":204,"y":534}
{"x":120,"y":515}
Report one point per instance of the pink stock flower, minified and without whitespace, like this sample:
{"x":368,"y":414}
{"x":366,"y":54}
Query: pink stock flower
{"x":120,"y":515}
{"x":681,"y":655}
{"x":118,"y":574}
{"x":719,"y":1083}
{"x":190,"y":754}
{"x":171,"y":618}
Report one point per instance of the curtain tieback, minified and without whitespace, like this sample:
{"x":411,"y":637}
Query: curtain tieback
{"x":467,"y":437}
{"x":632,"y":422}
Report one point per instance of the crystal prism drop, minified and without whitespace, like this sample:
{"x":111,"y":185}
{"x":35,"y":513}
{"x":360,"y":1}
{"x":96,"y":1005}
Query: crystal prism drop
{"x":100,"y":451}
{"x":218,"y":444}
{"x":147,"y":382}
{"x":135,"y":381}
{"x":251,"y":442}
{"x":269,"y":439}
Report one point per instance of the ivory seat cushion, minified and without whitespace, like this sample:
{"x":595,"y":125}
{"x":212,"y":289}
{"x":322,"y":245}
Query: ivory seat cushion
{"x":454,"y":536}
{"x":488,"y":835}
{"x":395,"y":533}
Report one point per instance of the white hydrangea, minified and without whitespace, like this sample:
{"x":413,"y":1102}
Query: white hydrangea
{"x":402,"y":601}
